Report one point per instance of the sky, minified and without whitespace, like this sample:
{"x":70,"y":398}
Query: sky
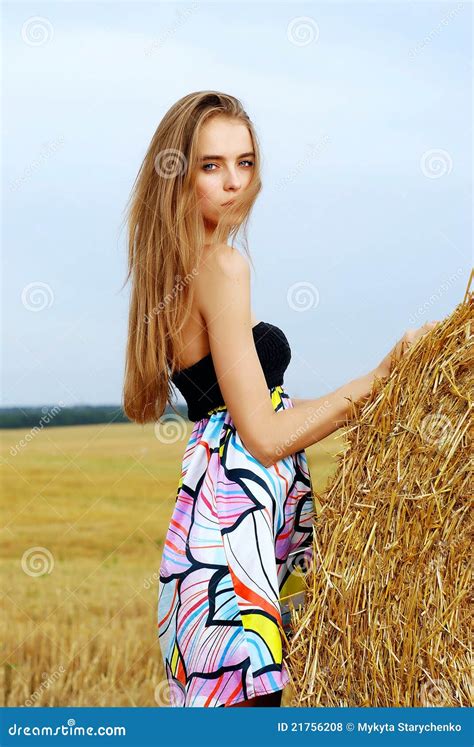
{"x":363,"y":227}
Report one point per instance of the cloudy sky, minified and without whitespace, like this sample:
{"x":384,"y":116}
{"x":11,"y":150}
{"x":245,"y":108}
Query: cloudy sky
{"x":363,"y":227}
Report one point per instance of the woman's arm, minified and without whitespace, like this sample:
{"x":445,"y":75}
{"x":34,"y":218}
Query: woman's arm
{"x":223,"y":286}
{"x":298,"y":402}
{"x":310,"y":420}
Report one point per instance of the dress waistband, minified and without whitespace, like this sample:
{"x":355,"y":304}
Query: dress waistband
{"x":278,"y":388}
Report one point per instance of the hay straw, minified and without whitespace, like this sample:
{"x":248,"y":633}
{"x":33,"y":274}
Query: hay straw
{"x":386,"y":620}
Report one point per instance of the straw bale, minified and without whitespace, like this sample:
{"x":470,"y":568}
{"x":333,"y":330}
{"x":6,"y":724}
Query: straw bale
{"x":386,"y":618}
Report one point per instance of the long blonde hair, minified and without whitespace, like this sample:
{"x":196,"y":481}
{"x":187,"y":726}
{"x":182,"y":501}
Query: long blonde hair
{"x":166,"y":238}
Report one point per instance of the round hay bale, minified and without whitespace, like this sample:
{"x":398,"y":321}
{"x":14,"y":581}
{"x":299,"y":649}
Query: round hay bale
{"x":386,"y":618}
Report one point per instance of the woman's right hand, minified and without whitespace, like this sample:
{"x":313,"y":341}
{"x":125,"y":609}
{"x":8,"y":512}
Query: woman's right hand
{"x":409,"y":338}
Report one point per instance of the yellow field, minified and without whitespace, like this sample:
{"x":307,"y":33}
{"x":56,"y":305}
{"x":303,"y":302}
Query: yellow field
{"x":96,"y":502}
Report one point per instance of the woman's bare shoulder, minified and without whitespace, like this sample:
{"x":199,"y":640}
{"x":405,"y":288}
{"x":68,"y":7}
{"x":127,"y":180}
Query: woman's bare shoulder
{"x":220,"y":263}
{"x":220,"y":259}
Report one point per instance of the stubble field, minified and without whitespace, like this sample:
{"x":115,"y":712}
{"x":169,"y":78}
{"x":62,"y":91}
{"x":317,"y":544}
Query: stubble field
{"x":84,"y":514}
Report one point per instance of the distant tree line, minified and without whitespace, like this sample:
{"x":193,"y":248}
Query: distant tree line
{"x":55,"y":415}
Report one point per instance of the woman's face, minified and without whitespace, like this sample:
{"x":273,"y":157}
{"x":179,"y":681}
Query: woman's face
{"x":225,"y":166}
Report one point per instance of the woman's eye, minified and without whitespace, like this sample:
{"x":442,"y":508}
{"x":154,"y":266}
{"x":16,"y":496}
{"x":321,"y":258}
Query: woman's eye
{"x":205,"y":167}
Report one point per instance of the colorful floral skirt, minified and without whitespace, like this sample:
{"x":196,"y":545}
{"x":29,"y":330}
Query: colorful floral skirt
{"x":238,"y":546}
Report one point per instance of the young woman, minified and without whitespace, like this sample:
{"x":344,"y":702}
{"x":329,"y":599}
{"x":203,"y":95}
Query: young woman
{"x":243,"y":514}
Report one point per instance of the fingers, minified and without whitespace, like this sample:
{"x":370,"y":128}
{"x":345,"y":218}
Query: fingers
{"x":429,"y":325}
{"x":412,"y":335}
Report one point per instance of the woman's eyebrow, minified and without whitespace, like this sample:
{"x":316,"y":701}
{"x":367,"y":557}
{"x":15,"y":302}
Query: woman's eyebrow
{"x":221,"y":158}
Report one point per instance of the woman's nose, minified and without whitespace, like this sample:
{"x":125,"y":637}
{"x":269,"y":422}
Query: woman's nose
{"x":232,"y":179}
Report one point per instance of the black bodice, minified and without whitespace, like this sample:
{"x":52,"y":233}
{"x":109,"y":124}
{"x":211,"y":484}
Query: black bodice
{"x":198,"y":383}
